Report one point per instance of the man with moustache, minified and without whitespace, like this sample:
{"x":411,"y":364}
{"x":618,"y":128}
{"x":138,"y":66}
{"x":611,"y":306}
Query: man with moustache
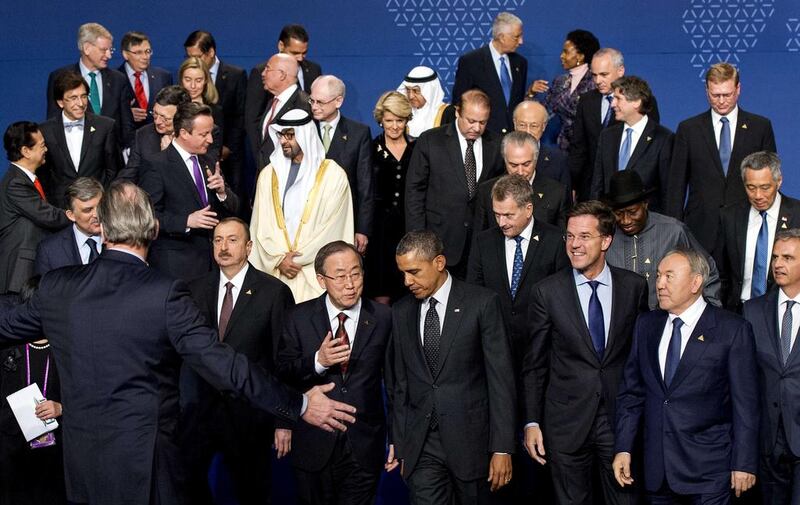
{"x":80,"y":243}
{"x":531,"y":117}
{"x":581,"y":320}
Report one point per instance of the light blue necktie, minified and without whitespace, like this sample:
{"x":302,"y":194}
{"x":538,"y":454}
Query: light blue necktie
{"x":69,"y":125}
{"x":597,"y":327}
{"x":725,"y":144}
{"x":759,"y":284}
{"x":94,"y":93}
{"x":609,"y":111}
{"x":673,"y":352}
{"x":505,"y":79}
{"x":625,"y":149}
{"x":516,"y":269}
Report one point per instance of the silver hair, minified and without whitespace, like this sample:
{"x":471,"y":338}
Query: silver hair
{"x":519,"y":139}
{"x":791,"y":233}
{"x":334,"y":85}
{"x":698,"y":264}
{"x":760,"y":160}
{"x":502,"y":22}
{"x":83,"y":189}
{"x":88,"y":33}
{"x":616,"y":56}
{"x":127,"y":216}
{"x":515,"y":187}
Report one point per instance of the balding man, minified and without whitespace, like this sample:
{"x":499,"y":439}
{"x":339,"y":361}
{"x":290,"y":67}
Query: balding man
{"x":531,"y":117}
{"x":348,"y":143}
{"x":593,"y":114}
{"x":280,"y":79}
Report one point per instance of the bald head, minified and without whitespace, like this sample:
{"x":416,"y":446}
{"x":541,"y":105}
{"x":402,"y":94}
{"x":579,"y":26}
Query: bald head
{"x":280,"y":73}
{"x":530,"y":117}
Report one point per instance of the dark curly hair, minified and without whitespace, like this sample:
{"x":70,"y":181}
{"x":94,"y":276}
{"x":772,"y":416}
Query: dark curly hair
{"x":585,"y":42}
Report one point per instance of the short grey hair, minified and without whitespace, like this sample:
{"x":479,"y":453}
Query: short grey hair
{"x":127,"y":216}
{"x":615,"y":54}
{"x":88,"y":33}
{"x":791,"y":233}
{"x":334,"y":85}
{"x":83,"y":189}
{"x":502,"y":22}
{"x":519,"y":139}
{"x":424,"y":243}
{"x":515,"y":187}
{"x":698,"y":264}
{"x":760,"y":160}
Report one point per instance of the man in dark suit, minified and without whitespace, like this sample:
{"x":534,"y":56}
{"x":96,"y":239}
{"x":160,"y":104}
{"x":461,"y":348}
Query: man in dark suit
{"x":349,"y":144}
{"x":709,"y":149}
{"x":443,"y":175}
{"x":775,"y":318}
{"x":158,"y":135}
{"x":531,"y":117}
{"x":594,"y":113}
{"x":118,"y":345}
{"x":144,"y":81}
{"x":580,"y":320}
{"x":247,"y":309}
{"x":279,"y":77}
{"x":690,"y":392}
{"x":497,"y":70}
{"x":293,"y":40}
{"x":748,"y":229}
{"x":80,"y":243}
{"x":25,"y":216}
{"x":176,"y":179}
{"x":509,"y":259}
{"x":521,"y":156}
{"x":108,"y":88}
{"x":343,"y":338}
{"x":82,"y":144}
{"x":635,"y":143}
{"x":453,"y":397}
{"x":231,"y":82}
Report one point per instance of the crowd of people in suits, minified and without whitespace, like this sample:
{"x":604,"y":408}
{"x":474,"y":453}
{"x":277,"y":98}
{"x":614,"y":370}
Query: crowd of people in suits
{"x":608,"y":318}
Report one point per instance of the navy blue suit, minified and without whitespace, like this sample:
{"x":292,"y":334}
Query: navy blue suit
{"x":157,"y":79}
{"x":56,"y":251}
{"x":705,"y":424}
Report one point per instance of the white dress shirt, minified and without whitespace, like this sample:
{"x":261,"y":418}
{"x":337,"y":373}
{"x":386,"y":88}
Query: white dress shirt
{"x":282,"y":98}
{"x":690,"y":316}
{"x":74,"y":140}
{"x":442,"y":295}
{"x":782,"y":299}
{"x":477,"y":148}
{"x":732,"y":116}
{"x":333,"y":124}
{"x":214,"y":70}
{"x":753,"y":227}
{"x":98,"y":78}
{"x":496,"y":60}
{"x":132,"y":78}
{"x":237,"y":281}
{"x":604,"y":295}
{"x":604,"y":106}
{"x":350,"y":326}
{"x":83,"y":248}
{"x":187,"y":160}
{"x":638,"y":129}
{"x":511,"y":248}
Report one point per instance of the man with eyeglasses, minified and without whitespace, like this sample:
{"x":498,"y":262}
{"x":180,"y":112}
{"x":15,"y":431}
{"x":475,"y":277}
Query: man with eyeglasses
{"x":348,"y":143}
{"x":521,"y":155}
{"x":82,"y":144}
{"x":531,"y":117}
{"x":708,"y":150}
{"x":145,"y":81}
{"x":302,"y":202}
{"x":574,"y":362}
{"x":108,"y":88}
{"x":338,"y":337}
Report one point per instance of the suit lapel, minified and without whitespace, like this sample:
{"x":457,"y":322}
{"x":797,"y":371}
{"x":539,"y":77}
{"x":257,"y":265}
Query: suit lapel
{"x":653,"y":341}
{"x":742,"y":217}
{"x":785,"y":220}
{"x":88,"y":132}
{"x":489,"y":68}
{"x":489,"y":151}
{"x":618,"y":299}
{"x":222,"y":76}
{"x":695,"y":347}
{"x":707,"y":130}
{"x":106,"y":105}
{"x":61,"y":139}
{"x":452,"y":321}
{"x":366,"y":327}
{"x":644,"y":142}
{"x":243,"y":301}
{"x":499,"y":247}
{"x":212,"y":300}
{"x":338,"y":139}
{"x":70,"y":247}
{"x":741,"y":141}
{"x":177,"y":161}
{"x":531,"y":254}
{"x":454,"y":152}
{"x":415,"y":333}
{"x":772,"y":324}
{"x":613,"y":154}
{"x":572,"y":303}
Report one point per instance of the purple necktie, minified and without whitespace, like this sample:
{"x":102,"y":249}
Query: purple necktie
{"x":198,"y":181}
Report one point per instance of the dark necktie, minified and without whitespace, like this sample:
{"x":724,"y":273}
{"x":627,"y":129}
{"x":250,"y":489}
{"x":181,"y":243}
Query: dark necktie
{"x":597,"y":327}
{"x":432,"y":334}
{"x":505,"y":79}
{"x":294,"y":169}
{"x":761,"y":259}
{"x":93,"y":254}
{"x":39,"y":189}
{"x":141,"y":98}
{"x":226,"y":311}
{"x":471,"y":168}
{"x":516,"y":268}
{"x":625,"y":149}
{"x":725,"y":144}
{"x":609,"y":112}
{"x":341,"y":332}
{"x":673,"y":352}
{"x":270,"y":117}
{"x":199,"y":183}
{"x":786,"y":331}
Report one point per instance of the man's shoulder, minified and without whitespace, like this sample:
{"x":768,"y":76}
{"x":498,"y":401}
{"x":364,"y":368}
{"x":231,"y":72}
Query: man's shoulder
{"x":162,"y":72}
{"x":231,"y":69}
{"x":357,"y":128}
{"x":661,"y":223}
{"x":695,"y":121}
{"x":627,"y":277}
{"x":100,"y":123}
{"x":485,"y":188}
{"x":379,"y":311}
{"x":55,"y":238}
{"x":753,"y":119}
{"x":543,"y":182}
{"x":475,"y":55}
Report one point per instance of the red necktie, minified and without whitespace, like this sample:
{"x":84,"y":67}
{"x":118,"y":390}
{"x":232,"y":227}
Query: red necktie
{"x":139,"y":89}
{"x":38,"y":185}
{"x":271,"y":117}
{"x":341,"y":332}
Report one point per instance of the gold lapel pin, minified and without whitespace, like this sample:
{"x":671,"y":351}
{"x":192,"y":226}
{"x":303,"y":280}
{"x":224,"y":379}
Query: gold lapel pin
{"x":649,"y":139}
{"x":541,"y":195}
{"x":701,"y":339}
{"x":647,"y":261}
{"x":91,"y":128}
{"x":744,"y":126}
{"x":536,"y":238}
{"x":249,"y":292}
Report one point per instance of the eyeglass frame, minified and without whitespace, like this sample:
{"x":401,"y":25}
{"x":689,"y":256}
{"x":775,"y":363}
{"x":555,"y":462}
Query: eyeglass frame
{"x":342,"y":279}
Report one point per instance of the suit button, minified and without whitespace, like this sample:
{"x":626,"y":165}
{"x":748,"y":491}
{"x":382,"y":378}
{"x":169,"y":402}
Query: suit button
{"x":504,"y":130}
{"x":513,"y":312}
{"x":666,"y":402}
{"x":344,"y":389}
{"x":435,"y":386}
{"x":397,"y":194}
{"x":775,"y":404}
{"x":394,"y":203}
{"x":597,"y":394}
{"x":399,"y":176}
{"x":399,"y":167}
{"x":466,"y":224}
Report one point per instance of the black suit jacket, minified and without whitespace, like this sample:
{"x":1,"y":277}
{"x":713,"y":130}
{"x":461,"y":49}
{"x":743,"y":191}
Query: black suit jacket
{"x":437,"y":197}
{"x":550,"y":203}
{"x":585,"y":136}
{"x":553,"y":163}
{"x":130,"y":328}
{"x":731,"y":245}
{"x":564,"y":381}
{"x":779,"y":383}
{"x":25,"y":219}
{"x":262,"y":146}
{"x":116,"y":101}
{"x":184,"y":255}
{"x":472,"y":389}
{"x":56,"y":251}
{"x":650,"y":158}
{"x":476,"y":70}
{"x":305,"y":329}
{"x":351,"y":148}
{"x":488,"y":268}
{"x":100,"y":156}
{"x":158,"y":78}
{"x":231,"y":84}
{"x":258,"y":98}
{"x":696,"y":165}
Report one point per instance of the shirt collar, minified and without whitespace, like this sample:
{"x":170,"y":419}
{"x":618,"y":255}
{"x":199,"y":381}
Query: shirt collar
{"x":65,"y":119}
{"x":185,"y":155}
{"x":773,"y":211}
{"x":284,"y":95}
{"x":691,"y":315}
{"x":132,"y":73}
{"x":579,"y":71}
{"x":604,"y":278}
{"x":732,"y":116}
{"x":638,"y":126}
{"x":81,"y":237}
{"x":495,"y":53}
{"x":334,"y":123}
{"x":238,"y":279}
{"x":85,"y":70}
{"x":783,"y":297}
{"x":31,"y":175}
{"x":443,"y":293}
{"x":333,"y":312}
{"x":525,"y":233}
{"x":214,"y":69}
